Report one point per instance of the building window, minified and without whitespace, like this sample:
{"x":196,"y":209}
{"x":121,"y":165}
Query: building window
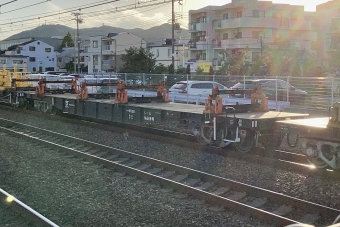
{"x":95,"y":44}
{"x":335,"y":24}
{"x":238,"y":35}
{"x":204,"y":56}
{"x":314,"y":45}
{"x":239,"y":14}
{"x":256,"y":14}
{"x":198,"y":57}
{"x":255,"y":56}
{"x":47,"y":49}
{"x":18,"y":61}
{"x":225,"y":36}
{"x":31,"y":48}
{"x":3,"y":61}
{"x":255,"y":34}
{"x":95,"y":59}
{"x":34,"y":69}
{"x":294,"y":17}
{"x":225,"y":16}
{"x":32,"y":59}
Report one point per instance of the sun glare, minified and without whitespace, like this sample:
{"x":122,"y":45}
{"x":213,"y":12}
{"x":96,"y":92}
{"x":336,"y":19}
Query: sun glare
{"x":10,"y":199}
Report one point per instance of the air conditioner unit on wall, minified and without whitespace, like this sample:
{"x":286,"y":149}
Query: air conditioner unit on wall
{"x":236,"y":30}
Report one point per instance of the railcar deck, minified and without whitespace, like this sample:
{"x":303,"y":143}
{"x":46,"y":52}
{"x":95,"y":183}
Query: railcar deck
{"x":311,"y":123}
{"x":184,"y":108}
{"x":313,"y":128}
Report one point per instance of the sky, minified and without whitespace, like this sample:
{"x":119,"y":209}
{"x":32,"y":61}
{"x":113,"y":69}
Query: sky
{"x":20,"y":15}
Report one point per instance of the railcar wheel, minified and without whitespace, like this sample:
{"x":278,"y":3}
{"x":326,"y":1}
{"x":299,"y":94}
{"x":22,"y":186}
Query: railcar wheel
{"x":272,"y":142}
{"x":206,"y":134}
{"x":314,"y":159}
{"x":292,"y":140}
{"x":221,"y":135}
{"x":247,"y":141}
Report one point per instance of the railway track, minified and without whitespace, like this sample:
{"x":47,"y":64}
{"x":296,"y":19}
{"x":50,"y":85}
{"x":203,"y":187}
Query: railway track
{"x":278,"y":158}
{"x":19,"y":214}
{"x":282,"y":159}
{"x":266,"y":206}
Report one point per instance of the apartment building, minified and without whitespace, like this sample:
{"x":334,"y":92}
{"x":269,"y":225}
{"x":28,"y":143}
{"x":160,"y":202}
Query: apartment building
{"x":202,"y":34}
{"x":246,"y":26}
{"x":104,"y":52}
{"x":328,"y":29}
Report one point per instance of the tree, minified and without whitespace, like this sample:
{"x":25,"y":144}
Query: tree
{"x":67,"y":41}
{"x":199,"y":71}
{"x":234,"y":64}
{"x":188,"y":70}
{"x":69,"y":66}
{"x":211,"y":71}
{"x":280,"y":57}
{"x":171,"y":69}
{"x":159,"y":69}
{"x":335,"y":58}
{"x":137,"y":60}
{"x":180,"y":70}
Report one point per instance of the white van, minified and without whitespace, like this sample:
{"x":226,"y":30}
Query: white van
{"x":203,"y":88}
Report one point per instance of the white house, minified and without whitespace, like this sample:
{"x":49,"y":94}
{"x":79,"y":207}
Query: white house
{"x":37,"y":55}
{"x":104,"y":52}
{"x":163,"y":53}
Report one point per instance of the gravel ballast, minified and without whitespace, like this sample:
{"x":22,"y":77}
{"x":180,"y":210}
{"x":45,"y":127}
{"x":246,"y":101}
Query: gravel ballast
{"x":322,"y":191}
{"x":71,"y":192}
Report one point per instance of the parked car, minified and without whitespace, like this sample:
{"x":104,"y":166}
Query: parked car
{"x":270,"y":86}
{"x":203,"y":88}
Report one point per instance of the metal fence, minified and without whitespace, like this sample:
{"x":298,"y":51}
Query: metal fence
{"x":321,"y":92}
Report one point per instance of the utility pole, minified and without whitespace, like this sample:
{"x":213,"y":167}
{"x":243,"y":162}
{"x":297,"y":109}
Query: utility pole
{"x":79,"y":21}
{"x":261,"y":41}
{"x":173,"y":32}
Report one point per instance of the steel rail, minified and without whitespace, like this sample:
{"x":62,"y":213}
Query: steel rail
{"x":24,"y":210}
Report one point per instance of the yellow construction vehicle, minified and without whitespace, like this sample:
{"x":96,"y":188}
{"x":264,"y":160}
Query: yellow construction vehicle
{"x":7,"y":76}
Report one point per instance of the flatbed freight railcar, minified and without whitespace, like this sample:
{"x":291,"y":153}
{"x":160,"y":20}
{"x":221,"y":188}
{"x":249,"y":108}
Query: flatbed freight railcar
{"x":242,"y":125}
{"x":318,"y":137}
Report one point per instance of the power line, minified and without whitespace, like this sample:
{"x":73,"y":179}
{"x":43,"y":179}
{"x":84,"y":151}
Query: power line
{"x":56,"y":14}
{"x":72,"y":8}
{"x":117,"y":9}
{"x":90,"y":15}
{"x":7,"y":3}
{"x":26,"y":7}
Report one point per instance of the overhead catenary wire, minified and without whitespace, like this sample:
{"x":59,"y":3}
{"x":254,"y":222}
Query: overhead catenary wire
{"x":91,"y":14}
{"x":65,"y":21}
{"x":25,"y":7}
{"x":116,"y":9}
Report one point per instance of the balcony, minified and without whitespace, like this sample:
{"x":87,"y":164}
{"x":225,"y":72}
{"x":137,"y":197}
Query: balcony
{"x":106,"y":62}
{"x":334,"y":29}
{"x":108,"y":50}
{"x":198,"y":27}
{"x":267,"y":22}
{"x":201,"y":45}
{"x":236,"y":43}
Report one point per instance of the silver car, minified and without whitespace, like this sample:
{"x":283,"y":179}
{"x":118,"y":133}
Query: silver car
{"x":203,"y":88}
